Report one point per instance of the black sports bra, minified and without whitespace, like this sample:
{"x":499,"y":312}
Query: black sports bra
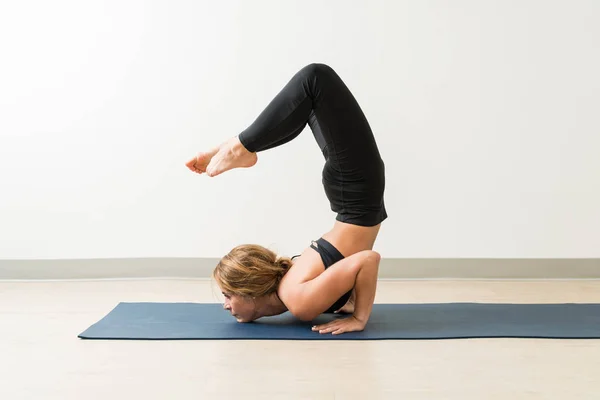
{"x":330,"y":255}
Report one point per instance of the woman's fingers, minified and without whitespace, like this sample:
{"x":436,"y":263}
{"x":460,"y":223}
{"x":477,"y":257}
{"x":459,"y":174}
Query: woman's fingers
{"x":336,"y":327}
{"x":323,"y":328}
{"x":328,"y":327}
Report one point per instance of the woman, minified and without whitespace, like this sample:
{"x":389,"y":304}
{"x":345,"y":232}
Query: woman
{"x":338,"y":272}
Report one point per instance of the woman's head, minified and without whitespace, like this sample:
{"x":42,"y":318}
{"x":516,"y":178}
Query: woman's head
{"x":246,"y":273}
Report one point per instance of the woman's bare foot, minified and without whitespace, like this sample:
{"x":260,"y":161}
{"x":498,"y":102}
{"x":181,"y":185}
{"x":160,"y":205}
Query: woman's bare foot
{"x":348,"y":308}
{"x":231,"y":154}
{"x":199,"y":163}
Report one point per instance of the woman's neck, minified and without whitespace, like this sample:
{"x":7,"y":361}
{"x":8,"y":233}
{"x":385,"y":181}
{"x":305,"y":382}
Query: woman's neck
{"x":270,"y":305}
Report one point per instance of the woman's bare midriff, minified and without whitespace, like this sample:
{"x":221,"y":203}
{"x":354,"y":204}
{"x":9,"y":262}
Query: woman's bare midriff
{"x":350,"y":239}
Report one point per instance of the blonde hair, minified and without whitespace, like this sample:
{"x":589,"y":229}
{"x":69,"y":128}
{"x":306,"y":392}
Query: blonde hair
{"x":251,"y":270}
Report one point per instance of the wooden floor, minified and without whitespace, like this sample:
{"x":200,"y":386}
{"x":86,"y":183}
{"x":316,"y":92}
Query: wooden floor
{"x":41,"y":357}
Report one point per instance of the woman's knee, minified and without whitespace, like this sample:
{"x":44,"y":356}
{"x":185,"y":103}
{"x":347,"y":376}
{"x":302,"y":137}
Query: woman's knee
{"x":318,"y":69}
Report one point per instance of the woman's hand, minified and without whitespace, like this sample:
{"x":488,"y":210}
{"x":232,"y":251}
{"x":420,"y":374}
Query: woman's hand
{"x":350,"y":324}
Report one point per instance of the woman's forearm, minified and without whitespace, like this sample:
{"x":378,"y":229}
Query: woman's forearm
{"x":365,"y":287}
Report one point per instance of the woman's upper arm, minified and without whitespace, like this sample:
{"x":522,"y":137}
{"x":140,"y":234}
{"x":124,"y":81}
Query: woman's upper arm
{"x":306,"y":300}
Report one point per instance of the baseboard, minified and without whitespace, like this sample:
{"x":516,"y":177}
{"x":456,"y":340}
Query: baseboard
{"x":390,"y":268}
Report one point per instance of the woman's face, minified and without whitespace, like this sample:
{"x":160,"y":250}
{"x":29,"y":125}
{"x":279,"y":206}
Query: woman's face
{"x":241,"y":307}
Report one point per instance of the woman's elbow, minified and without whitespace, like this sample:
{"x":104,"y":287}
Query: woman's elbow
{"x":370,"y":257}
{"x":304,"y":314}
{"x":376,"y":256}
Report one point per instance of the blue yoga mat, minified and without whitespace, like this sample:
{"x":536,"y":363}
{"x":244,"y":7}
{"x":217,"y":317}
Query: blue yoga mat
{"x":170,"y":321}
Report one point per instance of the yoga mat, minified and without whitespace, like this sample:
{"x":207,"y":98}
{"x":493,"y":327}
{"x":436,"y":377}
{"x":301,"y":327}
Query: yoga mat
{"x":154,"y":321}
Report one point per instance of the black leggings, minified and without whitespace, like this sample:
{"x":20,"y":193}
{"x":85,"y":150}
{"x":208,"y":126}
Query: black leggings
{"x":354,"y":173}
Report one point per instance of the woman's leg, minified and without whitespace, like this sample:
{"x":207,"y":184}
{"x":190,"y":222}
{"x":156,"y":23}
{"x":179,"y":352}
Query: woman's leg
{"x":285,"y":117}
{"x":316,"y":96}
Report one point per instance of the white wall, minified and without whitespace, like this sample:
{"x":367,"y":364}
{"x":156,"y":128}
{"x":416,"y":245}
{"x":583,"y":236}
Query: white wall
{"x":486,"y":113}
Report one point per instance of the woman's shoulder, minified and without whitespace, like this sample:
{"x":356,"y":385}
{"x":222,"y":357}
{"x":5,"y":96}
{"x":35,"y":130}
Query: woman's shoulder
{"x":305,"y":267}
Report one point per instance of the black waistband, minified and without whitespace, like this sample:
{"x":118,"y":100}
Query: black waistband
{"x":329,"y":254}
